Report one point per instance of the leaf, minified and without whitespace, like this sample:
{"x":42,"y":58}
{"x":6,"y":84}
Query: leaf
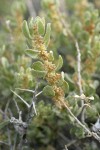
{"x":43,"y":21}
{"x":51,"y":57}
{"x":47,"y":35}
{"x":38,"y":66}
{"x":38,"y":69}
{"x":41,"y":27}
{"x":4,"y":62}
{"x":31,"y":23}
{"x":97,"y":29}
{"x":62,"y":75}
{"x":65,"y":86}
{"x":39,"y":74}
{"x":48,"y":91}
{"x":32,"y":53}
{"x":59,"y":63}
{"x":77,"y":131}
{"x":4,"y":123}
{"x":25,"y":30}
{"x":69,"y":78}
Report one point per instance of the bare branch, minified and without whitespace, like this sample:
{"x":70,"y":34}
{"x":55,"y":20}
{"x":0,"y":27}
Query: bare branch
{"x":38,"y":94}
{"x":2,"y":142}
{"x":82,"y":125}
{"x":21,"y":99}
{"x":31,"y":8}
{"x":15,"y":140}
{"x":79,"y":67}
{"x":9,"y":138}
{"x":16,"y":106}
{"x":25,"y":90}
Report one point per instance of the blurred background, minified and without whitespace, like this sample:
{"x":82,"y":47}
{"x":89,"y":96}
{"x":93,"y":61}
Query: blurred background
{"x":53,"y":128}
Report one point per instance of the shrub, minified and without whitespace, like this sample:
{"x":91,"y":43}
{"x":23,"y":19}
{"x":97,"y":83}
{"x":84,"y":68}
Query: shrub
{"x":49,"y":79}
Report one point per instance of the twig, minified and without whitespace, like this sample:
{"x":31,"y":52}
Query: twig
{"x":77,"y":140}
{"x":25,"y":90}
{"x":63,"y":137}
{"x":38,"y":94}
{"x":78,"y":55}
{"x":30,"y":114}
{"x":20,"y":126}
{"x":82,"y":125}
{"x":21,"y":99}
{"x":18,"y":110}
{"x":15,"y":140}
{"x":66,"y":147}
{"x":9,"y":138}
{"x":71,"y":143}
{"x":5,"y":112}
{"x":79,"y":67}
{"x":2,"y":142}
{"x":31,"y":8}
{"x":80,"y":79}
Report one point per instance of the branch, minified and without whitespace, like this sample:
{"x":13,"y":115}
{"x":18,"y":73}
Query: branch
{"x":79,"y":67}
{"x":2,"y":142}
{"x":66,"y":147}
{"x":82,"y":125}
{"x":27,"y":90}
{"x":9,"y":138}
{"x":21,"y":99}
{"x":18,"y":110}
{"x":31,"y":8}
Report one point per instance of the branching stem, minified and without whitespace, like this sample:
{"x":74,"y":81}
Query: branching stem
{"x":82,"y":125}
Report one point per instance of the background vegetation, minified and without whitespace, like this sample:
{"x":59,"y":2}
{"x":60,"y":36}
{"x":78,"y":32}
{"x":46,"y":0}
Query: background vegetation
{"x":49,"y":75}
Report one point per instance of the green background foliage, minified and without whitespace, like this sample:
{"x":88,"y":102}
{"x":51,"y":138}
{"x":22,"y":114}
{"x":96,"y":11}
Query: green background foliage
{"x":22,"y":67}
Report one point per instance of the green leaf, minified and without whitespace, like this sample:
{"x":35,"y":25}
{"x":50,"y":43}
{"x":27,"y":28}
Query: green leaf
{"x":43,"y":21}
{"x":97,"y":29}
{"x":62,"y":75}
{"x":25,"y":30}
{"x":65,"y":86}
{"x":51,"y":57}
{"x":31,"y":24}
{"x":41,"y":27}
{"x":40,"y":24}
{"x":77,"y":131}
{"x":32,"y":53}
{"x":4,"y":62}
{"x":2,"y":50}
{"x":38,"y":69}
{"x":48,"y":91}
{"x":4,"y":123}
{"x":39,"y":74}
{"x":38,"y":66}
{"x":59,"y":63}
{"x":46,"y":3}
{"x":47,"y":35}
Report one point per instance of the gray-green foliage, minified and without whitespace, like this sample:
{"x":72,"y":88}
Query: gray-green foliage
{"x":20,"y":68}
